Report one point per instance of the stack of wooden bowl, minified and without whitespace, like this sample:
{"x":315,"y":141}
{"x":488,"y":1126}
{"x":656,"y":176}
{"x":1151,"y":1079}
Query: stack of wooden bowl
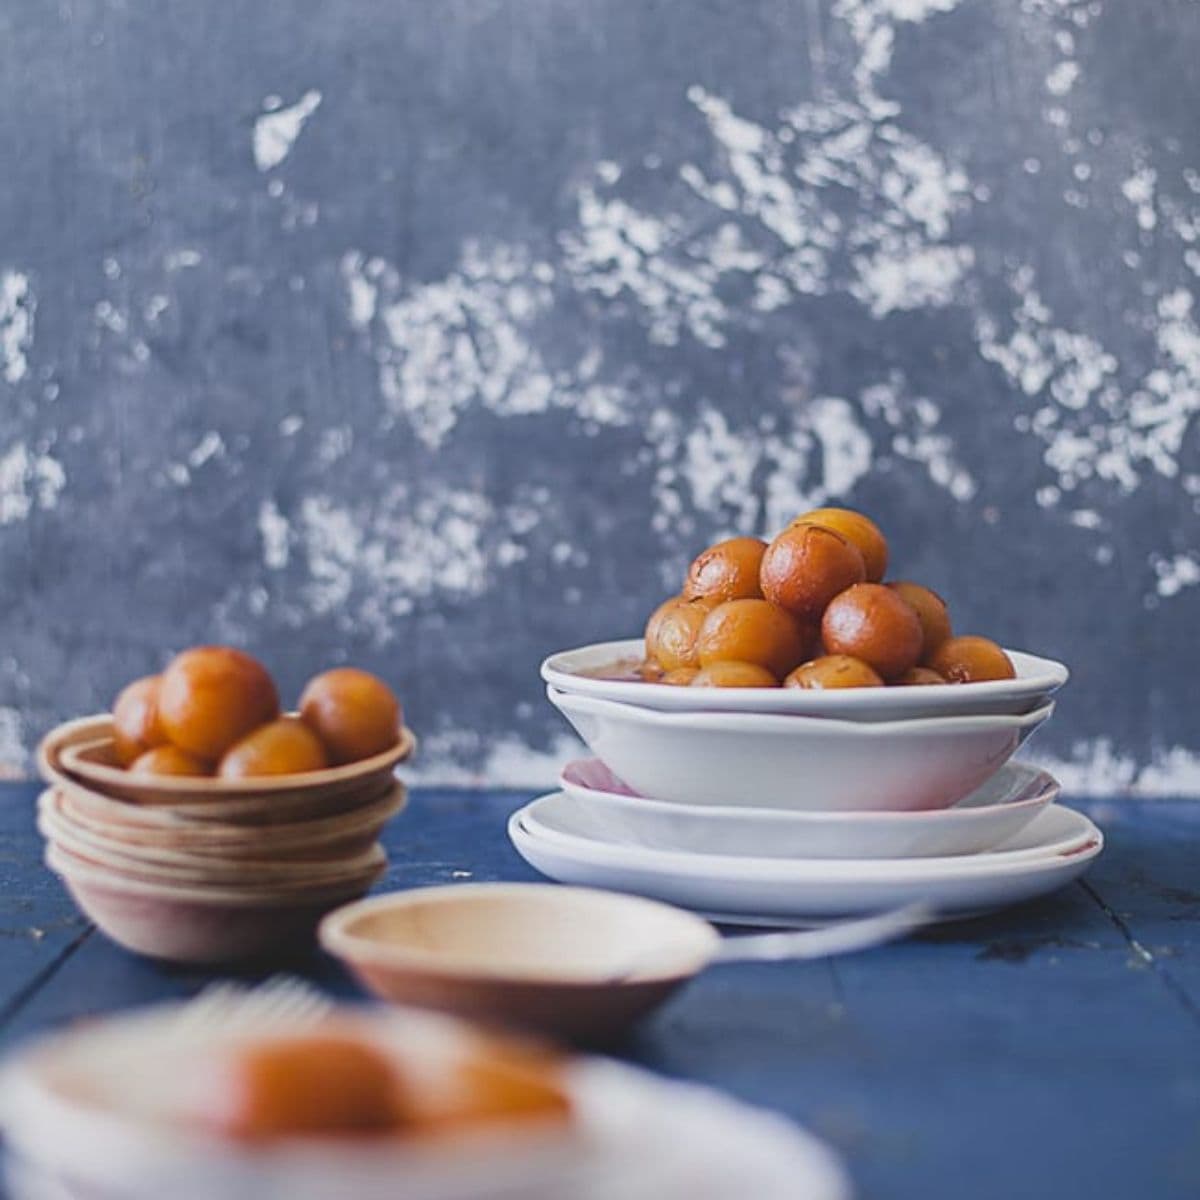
{"x":209,"y":870}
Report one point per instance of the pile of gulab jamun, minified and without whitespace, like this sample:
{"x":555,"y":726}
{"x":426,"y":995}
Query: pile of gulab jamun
{"x":810,"y":610}
{"x":215,"y":711}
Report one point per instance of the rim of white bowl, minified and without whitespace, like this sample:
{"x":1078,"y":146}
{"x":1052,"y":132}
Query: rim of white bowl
{"x":1036,"y":677}
{"x":1047,"y":790}
{"x":758,"y":722}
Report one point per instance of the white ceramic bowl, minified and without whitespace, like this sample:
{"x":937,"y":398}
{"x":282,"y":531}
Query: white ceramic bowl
{"x":594,"y":803}
{"x":1037,"y":678}
{"x":799,"y":763}
{"x":99,"y":1110}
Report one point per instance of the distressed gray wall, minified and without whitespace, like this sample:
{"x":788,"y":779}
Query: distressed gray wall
{"x":438,"y":336}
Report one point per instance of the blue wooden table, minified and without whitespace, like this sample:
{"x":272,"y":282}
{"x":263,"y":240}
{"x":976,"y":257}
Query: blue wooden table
{"x":1053,"y":1050}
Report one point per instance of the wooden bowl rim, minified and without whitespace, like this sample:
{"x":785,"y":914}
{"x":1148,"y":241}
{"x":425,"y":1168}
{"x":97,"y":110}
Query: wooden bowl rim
{"x":71,"y":867}
{"x":168,"y":823}
{"x":163,"y":865}
{"x":62,"y":746}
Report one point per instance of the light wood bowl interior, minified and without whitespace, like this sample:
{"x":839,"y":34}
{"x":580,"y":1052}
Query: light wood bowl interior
{"x":80,"y":754}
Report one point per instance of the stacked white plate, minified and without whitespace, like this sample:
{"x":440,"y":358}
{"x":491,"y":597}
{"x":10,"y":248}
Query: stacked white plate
{"x":777,"y":806}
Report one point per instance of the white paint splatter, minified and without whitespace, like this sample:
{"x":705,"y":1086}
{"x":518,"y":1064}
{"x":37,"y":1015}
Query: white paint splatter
{"x":275,"y":532}
{"x":1175,"y":573}
{"x":369,"y":564}
{"x":362,"y":291}
{"x":1061,"y":78}
{"x":470,"y":339}
{"x":1138,"y":189}
{"x":13,"y":755}
{"x":211,"y":445}
{"x":17,"y":306}
{"x":28,"y":481}
{"x":182,"y":259}
{"x":891,"y":278}
{"x":276,"y":131}
{"x":505,"y":761}
{"x":1097,"y":768}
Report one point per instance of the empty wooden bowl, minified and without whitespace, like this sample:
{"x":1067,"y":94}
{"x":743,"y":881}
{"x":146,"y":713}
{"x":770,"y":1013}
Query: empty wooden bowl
{"x":571,"y":962}
{"x":80,"y":753}
{"x":203,"y":925}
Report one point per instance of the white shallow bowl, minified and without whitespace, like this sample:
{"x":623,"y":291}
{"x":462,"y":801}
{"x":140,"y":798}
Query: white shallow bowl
{"x":597,"y":804}
{"x":635,"y":1136}
{"x":1037,"y":679}
{"x":797,"y":763}
{"x":1052,"y":850}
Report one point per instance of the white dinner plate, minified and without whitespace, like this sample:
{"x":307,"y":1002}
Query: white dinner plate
{"x":636,"y":1136}
{"x":1051,"y":851}
{"x":599,"y":805}
{"x":1037,"y":678}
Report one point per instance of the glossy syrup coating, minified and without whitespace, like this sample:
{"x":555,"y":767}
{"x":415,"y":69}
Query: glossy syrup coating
{"x":493,"y":1085}
{"x":680,"y":677}
{"x":354,"y":713}
{"x":931,"y":612}
{"x":211,"y":697}
{"x":283,"y":747}
{"x":309,"y":1084}
{"x":918,"y":677}
{"x":672,"y":634}
{"x":730,"y":674}
{"x":972,"y":660}
{"x":649,"y":670}
{"x":727,"y":571}
{"x":654,"y":623}
{"x":168,"y":760}
{"x":857,"y":528}
{"x":871,"y":622}
{"x":806,"y":566}
{"x":754,"y":631}
{"x":833,"y":671}
{"x":136,"y":727}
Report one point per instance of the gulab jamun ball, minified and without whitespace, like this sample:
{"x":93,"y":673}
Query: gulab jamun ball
{"x":212,"y":696}
{"x":931,"y":612}
{"x":918,"y":677}
{"x":136,"y":727}
{"x":727,"y":571}
{"x":833,"y":671}
{"x":730,"y":674}
{"x":806,"y":566}
{"x":354,"y":713}
{"x":971,"y":659}
{"x":169,"y":760}
{"x":753,"y":631}
{"x":673,"y":630}
{"x":283,"y":747}
{"x":872,"y":623}
{"x":857,"y":529}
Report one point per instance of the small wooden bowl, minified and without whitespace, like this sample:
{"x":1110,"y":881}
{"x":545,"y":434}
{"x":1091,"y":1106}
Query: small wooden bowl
{"x":146,"y":830}
{"x":571,"y":962}
{"x":206,"y":926}
{"x":81,"y":753}
{"x":180,"y":867}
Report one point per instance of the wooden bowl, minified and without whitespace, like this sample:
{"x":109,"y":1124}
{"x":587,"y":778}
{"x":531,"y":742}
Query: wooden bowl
{"x":81,"y":753}
{"x":180,"y":867}
{"x":199,"y":925}
{"x":570,"y":962}
{"x":146,"y":830}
